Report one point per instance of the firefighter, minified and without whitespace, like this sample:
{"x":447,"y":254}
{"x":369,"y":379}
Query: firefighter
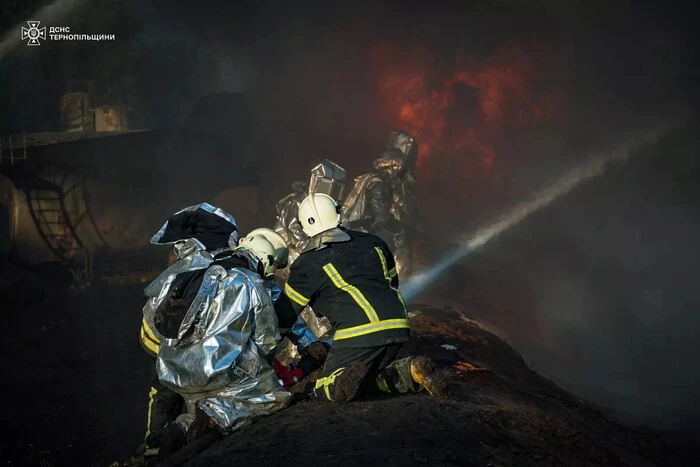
{"x":329,"y":178}
{"x":219,"y":359}
{"x":196,"y":233}
{"x":383,"y":200}
{"x":164,"y":405}
{"x":351,"y":278}
{"x":313,"y":352}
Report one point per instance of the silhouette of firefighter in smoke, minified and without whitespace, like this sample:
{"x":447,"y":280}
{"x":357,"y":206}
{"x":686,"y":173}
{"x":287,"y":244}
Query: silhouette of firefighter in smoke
{"x":383,"y":201}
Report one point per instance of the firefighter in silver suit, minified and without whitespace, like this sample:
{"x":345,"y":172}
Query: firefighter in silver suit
{"x":383,"y":201}
{"x":328,"y":178}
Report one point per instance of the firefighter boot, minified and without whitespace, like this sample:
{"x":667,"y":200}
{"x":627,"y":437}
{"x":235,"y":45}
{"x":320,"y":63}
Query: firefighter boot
{"x":349,"y":383}
{"x":423,"y":373}
{"x":173,"y":439}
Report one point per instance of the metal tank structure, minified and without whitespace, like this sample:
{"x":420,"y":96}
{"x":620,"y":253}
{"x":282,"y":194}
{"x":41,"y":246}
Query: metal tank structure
{"x":46,"y":214}
{"x":45,"y":205}
{"x":65,"y":194}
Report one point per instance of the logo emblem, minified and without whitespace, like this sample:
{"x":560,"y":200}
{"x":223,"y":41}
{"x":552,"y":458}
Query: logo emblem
{"x":33,"y":33}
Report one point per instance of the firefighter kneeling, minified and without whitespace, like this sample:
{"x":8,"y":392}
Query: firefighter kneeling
{"x":350,"y":277}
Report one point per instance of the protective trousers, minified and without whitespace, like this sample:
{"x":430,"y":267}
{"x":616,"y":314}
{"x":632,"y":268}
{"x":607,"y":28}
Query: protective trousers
{"x":164,"y":406}
{"x":385,"y":373}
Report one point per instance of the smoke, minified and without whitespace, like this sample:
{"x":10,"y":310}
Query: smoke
{"x":610,"y":309}
{"x":593,"y":168}
{"x":595,"y":277}
{"x":235,"y":75}
{"x":51,"y":13}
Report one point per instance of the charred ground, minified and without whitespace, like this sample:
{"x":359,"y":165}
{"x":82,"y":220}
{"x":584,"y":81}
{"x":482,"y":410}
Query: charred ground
{"x":77,"y":381}
{"x":498,"y":412}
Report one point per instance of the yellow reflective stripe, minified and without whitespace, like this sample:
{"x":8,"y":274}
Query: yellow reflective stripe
{"x":149,"y":333}
{"x":352,"y":290}
{"x":296,"y":296}
{"x":356,"y":331}
{"x":392,"y":272}
{"x":388,"y":277}
{"x":148,"y":343}
{"x":382,"y":384}
{"x":327,"y":381}
{"x":152,"y":393}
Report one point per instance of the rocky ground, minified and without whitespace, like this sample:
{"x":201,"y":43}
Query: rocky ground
{"x":76,"y":383}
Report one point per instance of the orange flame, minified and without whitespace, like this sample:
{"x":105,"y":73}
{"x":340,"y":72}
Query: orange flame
{"x":419,"y":100}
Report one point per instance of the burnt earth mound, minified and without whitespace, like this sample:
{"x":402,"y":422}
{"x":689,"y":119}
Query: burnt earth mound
{"x":497,"y":413}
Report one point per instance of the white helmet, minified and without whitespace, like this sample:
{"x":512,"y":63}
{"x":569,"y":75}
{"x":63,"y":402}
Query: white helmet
{"x":318,"y":213}
{"x":262,"y":249}
{"x":281,"y":248}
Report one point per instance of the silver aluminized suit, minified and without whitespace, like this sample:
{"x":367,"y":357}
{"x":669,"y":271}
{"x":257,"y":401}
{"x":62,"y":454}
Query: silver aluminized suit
{"x":383,"y":201}
{"x":287,"y":223}
{"x":220,"y":361}
{"x":196,"y":234}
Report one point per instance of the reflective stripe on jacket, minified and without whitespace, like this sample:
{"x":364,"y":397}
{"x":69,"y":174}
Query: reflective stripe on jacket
{"x":354,"y":283}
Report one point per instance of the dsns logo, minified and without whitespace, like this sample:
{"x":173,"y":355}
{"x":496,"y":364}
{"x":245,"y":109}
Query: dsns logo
{"x":33,"y":33}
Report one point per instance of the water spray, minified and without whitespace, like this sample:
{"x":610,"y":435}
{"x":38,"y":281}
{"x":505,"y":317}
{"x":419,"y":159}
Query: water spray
{"x":52,"y":12}
{"x":593,"y":168}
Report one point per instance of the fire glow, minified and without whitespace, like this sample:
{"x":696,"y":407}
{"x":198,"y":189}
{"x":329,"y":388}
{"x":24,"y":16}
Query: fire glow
{"x":420,"y":99}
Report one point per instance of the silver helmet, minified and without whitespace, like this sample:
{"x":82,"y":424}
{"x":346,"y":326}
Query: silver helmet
{"x":328,"y":178}
{"x":406,"y":143}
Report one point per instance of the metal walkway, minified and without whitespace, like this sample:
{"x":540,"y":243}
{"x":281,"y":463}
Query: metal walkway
{"x":56,"y":220}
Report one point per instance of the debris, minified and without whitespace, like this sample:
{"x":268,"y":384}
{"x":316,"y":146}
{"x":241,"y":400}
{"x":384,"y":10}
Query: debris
{"x":449,"y":347}
{"x":464,"y":367}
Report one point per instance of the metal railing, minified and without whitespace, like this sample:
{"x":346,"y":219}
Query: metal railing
{"x":11,"y":158}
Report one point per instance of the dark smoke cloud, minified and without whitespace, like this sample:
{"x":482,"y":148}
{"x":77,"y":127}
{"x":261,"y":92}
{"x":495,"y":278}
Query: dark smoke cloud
{"x":601,"y":287}
{"x":603,"y":278}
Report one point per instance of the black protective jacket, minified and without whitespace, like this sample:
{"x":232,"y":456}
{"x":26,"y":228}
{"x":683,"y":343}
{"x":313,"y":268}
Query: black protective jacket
{"x":349,"y":277}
